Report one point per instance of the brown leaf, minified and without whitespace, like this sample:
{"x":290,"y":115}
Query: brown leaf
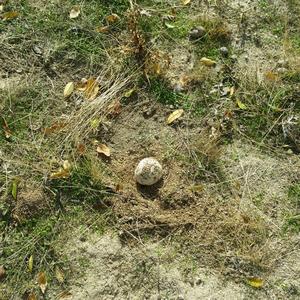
{"x":92,"y":89}
{"x":2,"y":273}
{"x":75,"y":12}
{"x":69,"y":89}
{"x":42,"y":281}
{"x":32,"y":296}
{"x":103,"y":149}
{"x":208,"y":62}
{"x":59,"y":275}
{"x":112,"y":18}
{"x":115,"y":108}
{"x":102,"y":29}
{"x":10,"y":15}
{"x":174,"y":116}
{"x":81,"y":148}
{"x":7,"y":131}
{"x":55,"y":127}
{"x":271,"y":76}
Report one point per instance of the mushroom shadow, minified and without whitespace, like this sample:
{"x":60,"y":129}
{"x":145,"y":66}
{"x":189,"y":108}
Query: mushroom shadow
{"x":150,"y":191}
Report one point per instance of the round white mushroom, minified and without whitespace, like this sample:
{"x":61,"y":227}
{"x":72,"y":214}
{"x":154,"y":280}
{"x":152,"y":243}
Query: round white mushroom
{"x":148,"y":171}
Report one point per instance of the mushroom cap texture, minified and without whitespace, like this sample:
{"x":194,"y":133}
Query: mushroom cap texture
{"x":148,"y":171}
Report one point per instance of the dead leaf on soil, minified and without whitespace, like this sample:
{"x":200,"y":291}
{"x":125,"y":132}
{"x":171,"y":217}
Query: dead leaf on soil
{"x":55,"y":127}
{"x":81,"y":149}
{"x":69,"y":89}
{"x":64,"y":295}
{"x":102,"y":29}
{"x":59,"y":275}
{"x":186,"y":2}
{"x":30,"y":263}
{"x":7,"y":131}
{"x":115,"y":108}
{"x":255,"y":282}
{"x":42,"y":281}
{"x":61,"y":173}
{"x":112,"y":18}
{"x":32,"y":296}
{"x":75,"y":12}
{"x":2,"y":273}
{"x":240,"y":104}
{"x":103,"y":149}
{"x":208,"y":62}
{"x":271,"y":76}
{"x":174,"y":116}
{"x":92,"y":89}
{"x":10,"y":15}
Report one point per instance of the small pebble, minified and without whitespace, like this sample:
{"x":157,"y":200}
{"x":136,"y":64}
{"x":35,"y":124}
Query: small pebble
{"x":199,"y":281}
{"x":197,"y":33}
{"x":224,"y":51}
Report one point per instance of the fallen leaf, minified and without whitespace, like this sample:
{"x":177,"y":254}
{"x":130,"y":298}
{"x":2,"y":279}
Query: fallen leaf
{"x":10,"y":15}
{"x":92,"y":89}
{"x":271,"y":76}
{"x":208,"y":62}
{"x":186,"y":2}
{"x":95,"y":123}
{"x":30,"y":263}
{"x":115,"y":108}
{"x":170,"y":26}
{"x":7,"y":131}
{"x":112,"y":18}
{"x":69,"y":89}
{"x":197,"y":188}
{"x":129,"y":93}
{"x":81,"y":149}
{"x":1,"y":8}
{"x":75,"y":12}
{"x":240,"y":104}
{"x":66,"y":165}
{"x":174,"y":116}
{"x":61,"y":173}
{"x":255,"y":282}
{"x":64,"y":295}
{"x":103,"y":149}
{"x":32,"y":296}
{"x":14,"y":189}
{"x":42,"y":281}
{"x":55,"y":127}
{"x":232,"y":90}
{"x":59,"y":275}
{"x":102,"y":29}
{"x":2,"y":273}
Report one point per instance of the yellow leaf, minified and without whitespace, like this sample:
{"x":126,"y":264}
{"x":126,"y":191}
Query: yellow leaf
{"x":129,"y":93}
{"x":240,"y":104}
{"x":271,"y":76}
{"x":103,"y":149}
{"x":32,"y":296}
{"x":75,"y":12}
{"x":232,"y":90}
{"x":102,"y":29}
{"x":1,"y":8}
{"x":30,"y":264}
{"x":42,"y":281}
{"x":208,"y":62}
{"x":256,"y":282}
{"x":61,"y":173}
{"x":92,"y":89}
{"x":10,"y":15}
{"x":69,"y":88}
{"x":186,"y":2}
{"x":197,"y":188}
{"x":95,"y":123}
{"x":174,"y":116}
{"x":59,"y":275}
{"x":112,"y":18}
{"x":66,"y":165}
